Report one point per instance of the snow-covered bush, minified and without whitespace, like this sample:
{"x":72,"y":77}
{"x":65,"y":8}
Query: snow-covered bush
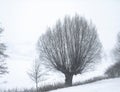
{"x":113,"y":71}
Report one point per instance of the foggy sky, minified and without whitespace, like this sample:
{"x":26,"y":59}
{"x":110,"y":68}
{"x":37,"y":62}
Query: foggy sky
{"x":25,"y":20}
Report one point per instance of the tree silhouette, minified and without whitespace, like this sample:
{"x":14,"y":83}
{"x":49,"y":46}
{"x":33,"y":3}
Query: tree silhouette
{"x":70,"y":47}
{"x":114,"y":70}
{"x":36,"y":73}
{"x":3,"y":67}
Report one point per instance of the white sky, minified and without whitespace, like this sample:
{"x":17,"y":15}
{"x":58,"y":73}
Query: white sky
{"x":24,"y":21}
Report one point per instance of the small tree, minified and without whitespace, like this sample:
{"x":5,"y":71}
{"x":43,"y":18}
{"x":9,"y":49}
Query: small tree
{"x":3,"y":68}
{"x":36,"y":73}
{"x":70,"y":47}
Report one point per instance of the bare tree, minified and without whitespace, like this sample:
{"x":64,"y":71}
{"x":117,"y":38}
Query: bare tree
{"x":114,"y":70}
{"x":70,"y":47}
{"x":3,"y":67}
{"x":36,"y":73}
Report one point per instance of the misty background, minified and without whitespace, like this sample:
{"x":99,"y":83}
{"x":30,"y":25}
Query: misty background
{"x":24,"y":21}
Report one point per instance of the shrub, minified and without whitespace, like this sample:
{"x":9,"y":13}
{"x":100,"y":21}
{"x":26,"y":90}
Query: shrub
{"x":113,"y":71}
{"x":94,"y":79}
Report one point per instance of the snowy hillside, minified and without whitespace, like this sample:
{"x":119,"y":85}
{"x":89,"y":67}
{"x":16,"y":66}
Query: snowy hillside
{"x":108,"y":85}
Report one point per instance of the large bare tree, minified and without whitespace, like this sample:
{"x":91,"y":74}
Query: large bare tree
{"x":3,"y":68}
{"x":70,"y":46}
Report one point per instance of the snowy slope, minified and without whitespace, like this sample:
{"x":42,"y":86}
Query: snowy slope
{"x":108,"y":85}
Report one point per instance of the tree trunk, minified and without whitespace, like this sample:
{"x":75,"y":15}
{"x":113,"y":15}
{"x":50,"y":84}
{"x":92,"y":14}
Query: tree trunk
{"x":36,"y":86}
{"x":68,"y":79}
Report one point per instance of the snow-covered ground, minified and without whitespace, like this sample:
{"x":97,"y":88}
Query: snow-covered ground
{"x":108,"y":85}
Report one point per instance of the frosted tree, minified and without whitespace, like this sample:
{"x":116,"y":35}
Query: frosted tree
{"x":114,"y":70}
{"x":3,"y":67}
{"x":71,"y":46}
{"x":36,"y":73}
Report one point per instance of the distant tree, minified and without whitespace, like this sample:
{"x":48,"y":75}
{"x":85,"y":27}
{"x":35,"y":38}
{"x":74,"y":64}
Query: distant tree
{"x":114,"y":70}
{"x":70,"y":47}
{"x":3,"y":67}
{"x":36,"y":73}
{"x":116,"y":51}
